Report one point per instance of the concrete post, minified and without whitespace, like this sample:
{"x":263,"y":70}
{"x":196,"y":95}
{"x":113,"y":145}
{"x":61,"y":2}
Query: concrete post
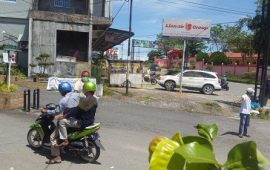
{"x":110,"y":15}
{"x":30,"y":45}
{"x":90,"y":16}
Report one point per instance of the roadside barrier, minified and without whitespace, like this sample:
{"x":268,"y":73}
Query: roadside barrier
{"x":27,"y":94}
{"x":36,"y":99}
{"x":27,"y":99}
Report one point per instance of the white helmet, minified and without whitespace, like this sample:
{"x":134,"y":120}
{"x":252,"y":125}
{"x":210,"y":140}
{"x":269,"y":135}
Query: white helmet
{"x":250,"y":90}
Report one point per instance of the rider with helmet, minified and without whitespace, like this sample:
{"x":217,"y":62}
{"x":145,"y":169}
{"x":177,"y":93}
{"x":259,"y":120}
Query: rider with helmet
{"x":68,"y":101}
{"x":81,"y":116}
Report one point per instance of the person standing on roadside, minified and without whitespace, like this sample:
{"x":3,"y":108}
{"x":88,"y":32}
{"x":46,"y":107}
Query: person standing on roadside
{"x":79,"y":84}
{"x":245,"y":109}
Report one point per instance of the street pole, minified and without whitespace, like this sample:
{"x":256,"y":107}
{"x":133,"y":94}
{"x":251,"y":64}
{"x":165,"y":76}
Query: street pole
{"x":9,"y":69}
{"x":130,"y":21}
{"x":182,"y":68}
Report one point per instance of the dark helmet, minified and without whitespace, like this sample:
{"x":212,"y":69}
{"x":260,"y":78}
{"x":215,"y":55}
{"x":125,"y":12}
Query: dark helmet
{"x":64,"y":88}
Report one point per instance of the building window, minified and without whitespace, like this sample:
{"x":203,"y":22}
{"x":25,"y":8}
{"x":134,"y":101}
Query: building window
{"x":62,"y":3}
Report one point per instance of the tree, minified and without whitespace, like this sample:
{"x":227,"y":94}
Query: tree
{"x":232,"y":38}
{"x":202,"y":56}
{"x":218,"y":58}
{"x":43,"y":63}
{"x":195,"y":46}
{"x":154,"y":53}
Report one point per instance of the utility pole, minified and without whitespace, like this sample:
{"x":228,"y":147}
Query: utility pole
{"x":130,"y":22}
{"x":265,"y":44}
{"x":182,"y":67}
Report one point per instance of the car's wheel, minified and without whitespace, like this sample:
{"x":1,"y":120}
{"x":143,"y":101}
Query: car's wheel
{"x":170,"y":85}
{"x":208,"y":89}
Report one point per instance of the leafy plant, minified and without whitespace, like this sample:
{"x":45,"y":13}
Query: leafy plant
{"x":218,"y":58}
{"x":43,"y":63}
{"x":4,"y":88}
{"x":197,"y":153}
{"x":202,"y":56}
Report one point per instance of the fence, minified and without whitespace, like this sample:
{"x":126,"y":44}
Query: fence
{"x":221,"y":69}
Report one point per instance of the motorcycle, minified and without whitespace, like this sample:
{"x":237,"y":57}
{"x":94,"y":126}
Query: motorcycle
{"x":224,"y":84}
{"x":83,"y":142}
{"x":152,"y":77}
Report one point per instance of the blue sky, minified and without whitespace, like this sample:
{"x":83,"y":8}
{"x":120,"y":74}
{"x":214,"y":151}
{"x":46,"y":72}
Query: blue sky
{"x":148,"y":15}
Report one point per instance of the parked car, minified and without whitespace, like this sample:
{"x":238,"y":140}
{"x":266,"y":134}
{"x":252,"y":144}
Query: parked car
{"x":204,"y":81}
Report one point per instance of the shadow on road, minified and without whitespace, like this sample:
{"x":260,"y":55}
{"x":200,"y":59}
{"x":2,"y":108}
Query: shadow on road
{"x":70,"y":157}
{"x":230,"y":133}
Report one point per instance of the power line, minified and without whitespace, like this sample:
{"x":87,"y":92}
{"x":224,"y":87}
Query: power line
{"x":119,"y":10}
{"x":227,"y":11}
{"x":210,"y":6}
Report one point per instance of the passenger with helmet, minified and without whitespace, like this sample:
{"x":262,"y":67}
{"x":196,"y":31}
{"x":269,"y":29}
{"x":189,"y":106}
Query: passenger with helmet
{"x":245,"y":112}
{"x":79,"y":84}
{"x":81,"y":116}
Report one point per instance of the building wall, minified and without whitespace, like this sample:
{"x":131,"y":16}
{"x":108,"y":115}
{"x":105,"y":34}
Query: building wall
{"x":98,"y":9}
{"x":44,"y":40}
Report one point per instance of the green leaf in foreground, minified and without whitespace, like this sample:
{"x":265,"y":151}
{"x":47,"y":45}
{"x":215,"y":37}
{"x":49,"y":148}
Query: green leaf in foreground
{"x":199,"y":139}
{"x":197,"y":153}
{"x":178,"y":138}
{"x":245,"y":156}
{"x":207,"y":131}
{"x":163,"y":154}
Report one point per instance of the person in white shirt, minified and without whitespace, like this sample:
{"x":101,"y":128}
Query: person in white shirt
{"x":245,"y":112}
{"x":79,"y":84}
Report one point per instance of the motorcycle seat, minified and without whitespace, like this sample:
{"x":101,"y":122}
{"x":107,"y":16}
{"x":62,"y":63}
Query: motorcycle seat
{"x":93,"y":126}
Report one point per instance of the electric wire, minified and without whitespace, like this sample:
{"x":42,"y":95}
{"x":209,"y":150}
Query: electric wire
{"x":207,"y":8}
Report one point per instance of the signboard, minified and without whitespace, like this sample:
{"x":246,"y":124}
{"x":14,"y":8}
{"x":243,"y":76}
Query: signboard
{"x":5,"y":57}
{"x":186,"y":28}
{"x":53,"y":82}
{"x":9,"y":47}
{"x":112,"y":53}
{"x":147,"y":44}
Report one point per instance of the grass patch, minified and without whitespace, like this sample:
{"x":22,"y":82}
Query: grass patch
{"x":247,"y":78}
{"x":123,"y":93}
{"x":107,"y":91}
{"x":128,"y":95}
{"x":4,"y":88}
{"x":212,"y":106}
{"x":264,"y":114}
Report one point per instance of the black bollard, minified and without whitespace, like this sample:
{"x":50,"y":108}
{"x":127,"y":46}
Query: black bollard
{"x":38,"y":91}
{"x":24,"y":100}
{"x":29,"y":97}
{"x":34,"y":99}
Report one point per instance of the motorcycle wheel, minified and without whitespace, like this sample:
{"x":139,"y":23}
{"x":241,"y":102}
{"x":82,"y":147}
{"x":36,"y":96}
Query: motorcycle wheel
{"x":227,"y":88}
{"x":153,"y":81}
{"x":92,"y":154}
{"x":34,"y":139}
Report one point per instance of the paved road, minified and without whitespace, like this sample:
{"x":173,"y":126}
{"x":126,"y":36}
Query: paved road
{"x":126,"y":131}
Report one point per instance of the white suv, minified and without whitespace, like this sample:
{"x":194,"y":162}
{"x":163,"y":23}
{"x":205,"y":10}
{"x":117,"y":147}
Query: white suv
{"x":204,"y":81}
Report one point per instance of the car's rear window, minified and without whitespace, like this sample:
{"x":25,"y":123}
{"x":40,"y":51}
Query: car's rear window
{"x":207,"y":75}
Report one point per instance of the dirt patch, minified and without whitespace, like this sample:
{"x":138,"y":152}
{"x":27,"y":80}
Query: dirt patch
{"x":189,"y":102}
